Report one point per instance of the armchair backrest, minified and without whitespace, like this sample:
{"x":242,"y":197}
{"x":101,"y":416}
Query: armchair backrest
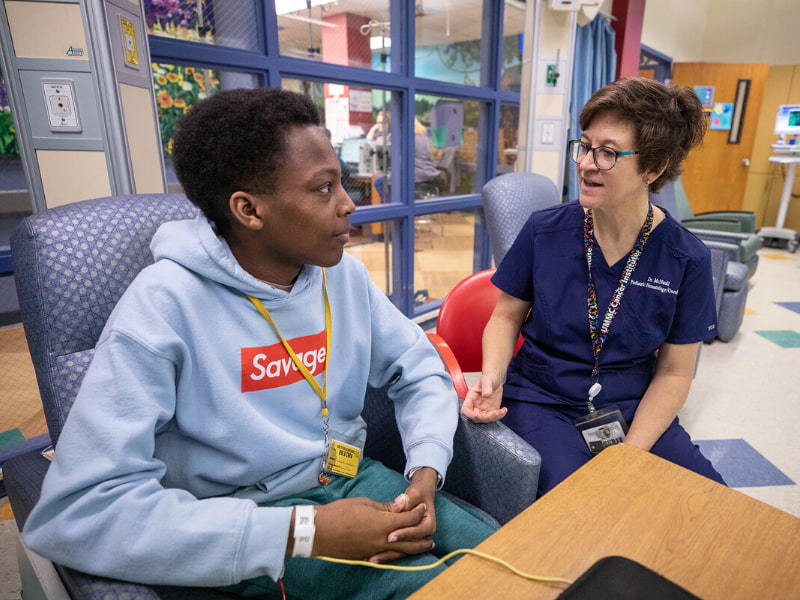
{"x":672,"y":197}
{"x":721,"y":255}
{"x":71,"y":265}
{"x":508,"y":201}
{"x":682,"y":200}
{"x":463,"y":316}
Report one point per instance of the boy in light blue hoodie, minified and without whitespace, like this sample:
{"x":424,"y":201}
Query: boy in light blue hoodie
{"x":217,"y":436}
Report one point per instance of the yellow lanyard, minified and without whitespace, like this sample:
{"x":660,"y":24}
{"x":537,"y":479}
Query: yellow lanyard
{"x":322,"y":392}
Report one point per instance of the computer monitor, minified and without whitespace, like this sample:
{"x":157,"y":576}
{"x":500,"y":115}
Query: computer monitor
{"x":349,"y":150}
{"x":787,"y":122}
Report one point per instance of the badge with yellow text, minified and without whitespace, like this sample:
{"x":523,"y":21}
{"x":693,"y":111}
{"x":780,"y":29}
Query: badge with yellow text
{"x":343,"y":459}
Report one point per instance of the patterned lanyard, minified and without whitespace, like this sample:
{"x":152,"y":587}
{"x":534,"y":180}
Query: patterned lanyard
{"x":599,"y":331}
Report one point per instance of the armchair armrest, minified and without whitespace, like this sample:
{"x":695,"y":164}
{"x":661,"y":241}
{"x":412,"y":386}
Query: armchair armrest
{"x":713,"y":223}
{"x":746,"y":218}
{"x":451,"y":364}
{"x":23,"y":476}
{"x":493,"y":468}
{"x":747,"y":243}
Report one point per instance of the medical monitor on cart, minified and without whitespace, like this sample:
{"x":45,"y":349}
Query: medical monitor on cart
{"x":787,"y":122}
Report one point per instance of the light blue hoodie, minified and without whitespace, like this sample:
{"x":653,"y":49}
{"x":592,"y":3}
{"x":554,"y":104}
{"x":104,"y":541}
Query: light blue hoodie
{"x":190,"y":414}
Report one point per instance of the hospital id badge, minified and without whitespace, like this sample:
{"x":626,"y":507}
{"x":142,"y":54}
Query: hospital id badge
{"x":342,"y":459}
{"x":602,"y":428}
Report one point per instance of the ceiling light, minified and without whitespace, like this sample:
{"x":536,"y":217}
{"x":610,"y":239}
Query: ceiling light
{"x":379,"y":42}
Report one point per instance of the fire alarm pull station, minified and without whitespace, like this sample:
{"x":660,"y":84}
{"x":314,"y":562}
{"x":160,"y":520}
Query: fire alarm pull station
{"x":60,"y":104}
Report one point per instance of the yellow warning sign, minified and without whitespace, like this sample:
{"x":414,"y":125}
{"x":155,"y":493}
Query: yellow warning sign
{"x":129,"y":43}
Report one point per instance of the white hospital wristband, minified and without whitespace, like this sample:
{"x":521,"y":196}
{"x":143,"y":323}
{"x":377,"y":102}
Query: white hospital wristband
{"x":304,"y":530}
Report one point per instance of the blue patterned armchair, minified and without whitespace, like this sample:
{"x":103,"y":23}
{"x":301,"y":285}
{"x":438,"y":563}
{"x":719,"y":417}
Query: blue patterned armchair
{"x":72,"y":263}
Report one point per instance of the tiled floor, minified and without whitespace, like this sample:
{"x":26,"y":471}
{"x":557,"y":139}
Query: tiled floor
{"x":744,"y":406}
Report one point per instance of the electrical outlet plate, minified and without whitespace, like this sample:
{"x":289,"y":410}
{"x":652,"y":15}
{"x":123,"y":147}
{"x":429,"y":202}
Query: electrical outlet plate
{"x":60,"y":105}
{"x":548,"y":133}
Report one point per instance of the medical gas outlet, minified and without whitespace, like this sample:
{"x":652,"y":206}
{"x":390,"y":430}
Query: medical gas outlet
{"x":60,"y":105}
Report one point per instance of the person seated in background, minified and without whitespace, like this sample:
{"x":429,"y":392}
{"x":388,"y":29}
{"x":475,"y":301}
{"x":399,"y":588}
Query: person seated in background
{"x":427,"y":177}
{"x":380,"y":130}
{"x":611,"y":294}
{"x":200,"y":449}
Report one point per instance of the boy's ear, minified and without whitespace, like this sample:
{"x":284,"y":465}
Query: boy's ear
{"x":245,"y":209}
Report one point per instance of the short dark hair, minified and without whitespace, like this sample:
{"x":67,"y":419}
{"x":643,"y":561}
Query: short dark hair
{"x":234,"y":141}
{"x":668,"y":121}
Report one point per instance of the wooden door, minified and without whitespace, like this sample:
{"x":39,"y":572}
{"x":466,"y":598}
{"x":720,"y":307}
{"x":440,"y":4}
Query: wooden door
{"x":715,"y":175}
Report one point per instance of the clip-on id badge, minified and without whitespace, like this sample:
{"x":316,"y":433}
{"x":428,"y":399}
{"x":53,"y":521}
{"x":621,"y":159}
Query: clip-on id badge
{"x":601,"y":428}
{"x":342,"y":459}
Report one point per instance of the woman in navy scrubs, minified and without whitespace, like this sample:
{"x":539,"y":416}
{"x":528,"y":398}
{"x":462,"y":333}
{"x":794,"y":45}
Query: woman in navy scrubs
{"x":612,"y":296}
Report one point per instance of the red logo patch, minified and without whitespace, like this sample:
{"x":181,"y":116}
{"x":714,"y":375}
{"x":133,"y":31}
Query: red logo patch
{"x":268,"y":367}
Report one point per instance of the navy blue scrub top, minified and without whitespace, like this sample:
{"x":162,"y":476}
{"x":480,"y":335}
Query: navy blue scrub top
{"x":670,"y":299}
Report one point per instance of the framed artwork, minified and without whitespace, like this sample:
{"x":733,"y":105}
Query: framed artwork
{"x":721,"y":115}
{"x":706,"y":94}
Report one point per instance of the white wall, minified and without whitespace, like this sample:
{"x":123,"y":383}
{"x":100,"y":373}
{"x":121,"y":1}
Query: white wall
{"x":730,"y":31}
{"x":676,"y":28}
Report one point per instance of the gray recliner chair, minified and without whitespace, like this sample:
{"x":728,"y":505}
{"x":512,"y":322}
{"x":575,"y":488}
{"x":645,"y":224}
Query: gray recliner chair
{"x":731,"y":287}
{"x":508,"y":201}
{"x":72,"y":263}
{"x":729,"y":227}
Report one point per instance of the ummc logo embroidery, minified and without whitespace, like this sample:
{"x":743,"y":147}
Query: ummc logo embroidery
{"x":269,"y":367}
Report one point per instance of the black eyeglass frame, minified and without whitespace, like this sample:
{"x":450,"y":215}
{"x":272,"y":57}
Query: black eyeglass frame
{"x":588,"y":148}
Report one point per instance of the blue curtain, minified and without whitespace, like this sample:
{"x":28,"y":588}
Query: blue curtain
{"x":594,"y":66}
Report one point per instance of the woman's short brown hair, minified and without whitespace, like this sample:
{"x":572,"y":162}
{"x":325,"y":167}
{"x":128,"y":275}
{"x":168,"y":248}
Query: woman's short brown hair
{"x":668,"y":121}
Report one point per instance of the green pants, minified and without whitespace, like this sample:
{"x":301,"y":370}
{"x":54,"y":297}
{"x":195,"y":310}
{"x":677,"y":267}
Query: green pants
{"x":312,"y":579}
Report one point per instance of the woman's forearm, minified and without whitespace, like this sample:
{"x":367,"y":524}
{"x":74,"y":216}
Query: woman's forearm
{"x":665,"y":395}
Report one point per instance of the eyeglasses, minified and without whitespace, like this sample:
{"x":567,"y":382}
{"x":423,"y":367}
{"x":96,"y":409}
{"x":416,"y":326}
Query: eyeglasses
{"x":604,"y":157}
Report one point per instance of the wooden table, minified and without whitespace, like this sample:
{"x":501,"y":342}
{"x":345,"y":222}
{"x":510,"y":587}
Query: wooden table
{"x":712,"y":540}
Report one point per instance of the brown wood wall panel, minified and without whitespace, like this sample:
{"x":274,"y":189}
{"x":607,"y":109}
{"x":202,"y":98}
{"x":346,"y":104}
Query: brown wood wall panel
{"x":715,"y":176}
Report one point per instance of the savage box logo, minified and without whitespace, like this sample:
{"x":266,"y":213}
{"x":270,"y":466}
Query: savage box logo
{"x":268,"y":367}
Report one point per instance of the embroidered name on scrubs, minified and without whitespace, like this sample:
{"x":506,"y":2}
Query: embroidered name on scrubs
{"x":341,"y":459}
{"x":599,"y":331}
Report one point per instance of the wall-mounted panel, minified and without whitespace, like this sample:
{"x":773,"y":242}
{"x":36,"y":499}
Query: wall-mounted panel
{"x":143,"y":143}
{"x":72,"y":176}
{"x":58,"y":26}
{"x":85,"y":106}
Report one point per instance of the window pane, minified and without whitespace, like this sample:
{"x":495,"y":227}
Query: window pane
{"x":229,"y":23}
{"x":371,"y":243}
{"x":14,"y":196}
{"x":448,"y":42}
{"x":507,"y":138}
{"x":342,"y":32}
{"x":451,"y":127}
{"x":354,"y":116}
{"x":15,"y":204}
{"x":444,"y":248}
{"x":513,"y":27}
{"x":177,"y":87}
